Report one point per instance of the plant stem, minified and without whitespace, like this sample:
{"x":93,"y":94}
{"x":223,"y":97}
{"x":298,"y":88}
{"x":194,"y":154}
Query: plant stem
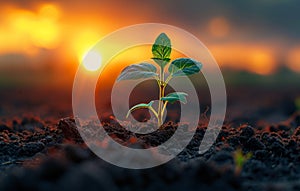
{"x":162,"y":103}
{"x":164,"y":107}
{"x":154,"y":112}
{"x":161,"y":86}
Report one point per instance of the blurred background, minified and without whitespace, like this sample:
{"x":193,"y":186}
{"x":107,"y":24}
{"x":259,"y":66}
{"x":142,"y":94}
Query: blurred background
{"x":255,"y":42}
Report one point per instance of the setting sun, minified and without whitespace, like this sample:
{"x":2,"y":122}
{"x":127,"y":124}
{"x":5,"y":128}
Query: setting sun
{"x":92,"y":61}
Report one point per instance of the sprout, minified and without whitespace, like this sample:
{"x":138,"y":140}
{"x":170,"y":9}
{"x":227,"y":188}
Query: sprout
{"x":161,"y":51}
{"x":240,"y":159}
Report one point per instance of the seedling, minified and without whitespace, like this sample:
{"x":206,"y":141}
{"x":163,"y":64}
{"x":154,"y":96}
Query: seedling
{"x":161,"y":51}
{"x":240,"y":159}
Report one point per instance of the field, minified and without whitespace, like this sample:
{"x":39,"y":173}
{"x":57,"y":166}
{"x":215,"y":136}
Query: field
{"x":42,"y":150}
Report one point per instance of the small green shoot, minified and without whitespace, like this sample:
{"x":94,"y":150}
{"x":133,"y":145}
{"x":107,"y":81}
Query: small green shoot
{"x":240,"y":159}
{"x":161,"y":51}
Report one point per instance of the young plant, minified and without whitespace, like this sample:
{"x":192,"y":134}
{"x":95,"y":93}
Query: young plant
{"x":161,"y":51}
{"x":240,"y":159}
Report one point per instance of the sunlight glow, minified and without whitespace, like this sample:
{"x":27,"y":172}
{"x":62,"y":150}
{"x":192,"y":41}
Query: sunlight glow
{"x":52,"y":28}
{"x":92,"y":61}
{"x":293,"y":59}
{"x":83,"y":40}
{"x":255,"y":58}
{"x":261,"y":62}
{"x":25,"y":31}
{"x":46,"y":31}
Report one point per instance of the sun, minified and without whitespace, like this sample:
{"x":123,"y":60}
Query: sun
{"x":92,"y":61}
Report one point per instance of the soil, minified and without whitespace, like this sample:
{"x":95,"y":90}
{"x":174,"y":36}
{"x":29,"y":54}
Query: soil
{"x":44,"y":151}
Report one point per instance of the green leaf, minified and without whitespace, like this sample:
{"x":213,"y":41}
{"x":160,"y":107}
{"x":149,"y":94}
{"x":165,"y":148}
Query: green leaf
{"x":140,"y":106}
{"x":175,"y":96}
{"x":162,"y":62}
{"x":240,"y":158}
{"x":161,"y":50}
{"x":184,"y":67}
{"x":138,"y":71}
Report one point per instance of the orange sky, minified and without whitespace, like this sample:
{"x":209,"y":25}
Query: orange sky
{"x":58,"y":34}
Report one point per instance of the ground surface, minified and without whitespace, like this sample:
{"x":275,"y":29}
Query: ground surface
{"x":41,"y":150}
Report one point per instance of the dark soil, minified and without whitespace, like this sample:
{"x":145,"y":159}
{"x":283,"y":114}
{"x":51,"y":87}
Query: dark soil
{"x":46,"y":154}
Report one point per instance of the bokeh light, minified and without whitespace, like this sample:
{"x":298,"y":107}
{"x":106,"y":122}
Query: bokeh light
{"x":293,"y":59}
{"x":23,"y":31}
